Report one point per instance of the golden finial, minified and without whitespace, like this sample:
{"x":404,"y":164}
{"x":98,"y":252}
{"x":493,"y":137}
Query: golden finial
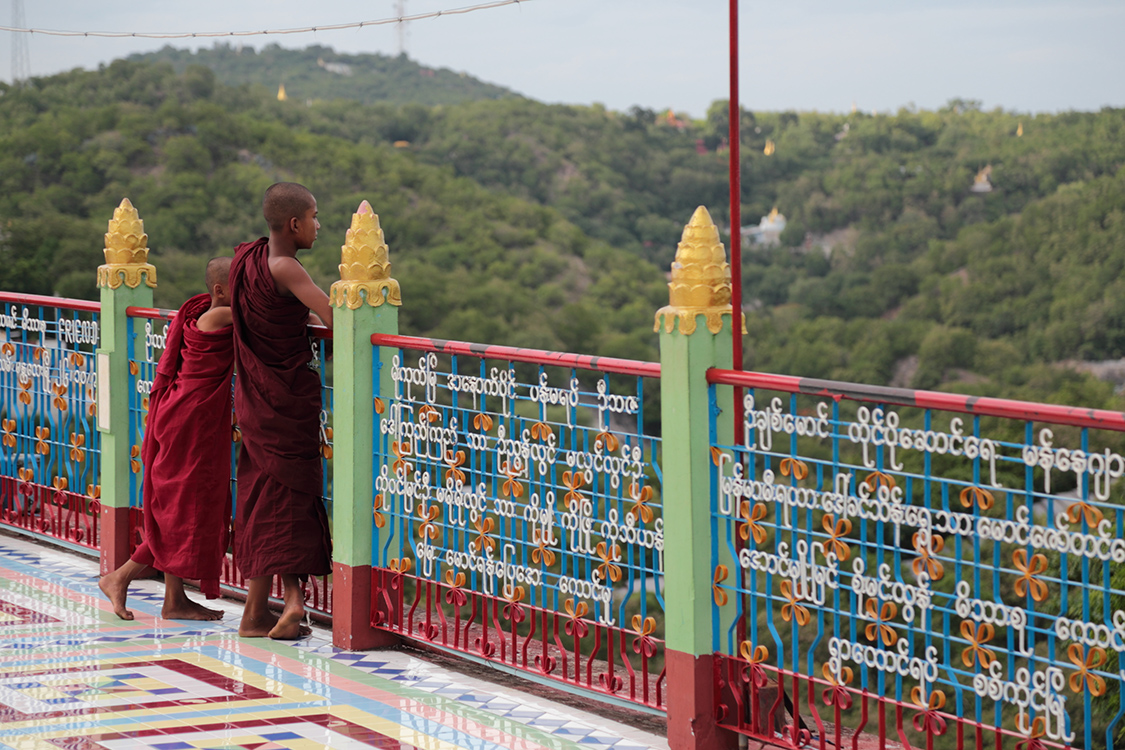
{"x":365,"y":265}
{"x":700,"y":282}
{"x":770,"y":147}
{"x":126,"y":251}
{"x":281,"y":95}
{"x":1019,"y":130}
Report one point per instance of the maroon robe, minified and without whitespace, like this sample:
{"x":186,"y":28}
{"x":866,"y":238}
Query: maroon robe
{"x":281,"y":525}
{"x":186,"y":452}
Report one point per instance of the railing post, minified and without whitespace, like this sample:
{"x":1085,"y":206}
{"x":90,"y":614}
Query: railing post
{"x":126,"y":280}
{"x":700,"y":286}
{"x":366,"y":299}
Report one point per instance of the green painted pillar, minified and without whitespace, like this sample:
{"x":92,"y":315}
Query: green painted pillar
{"x":695,"y":334}
{"x":126,"y":280}
{"x":366,"y":300}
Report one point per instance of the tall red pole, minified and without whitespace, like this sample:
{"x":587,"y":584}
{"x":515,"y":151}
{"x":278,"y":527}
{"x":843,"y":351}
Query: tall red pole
{"x":735,"y":215}
{"x":736,"y":254}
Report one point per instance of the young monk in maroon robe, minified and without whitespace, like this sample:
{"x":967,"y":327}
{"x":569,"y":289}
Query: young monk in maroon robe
{"x":186,"y":455}
{"x":281,"y":526}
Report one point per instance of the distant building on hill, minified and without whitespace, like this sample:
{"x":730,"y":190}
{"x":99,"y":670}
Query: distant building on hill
{"x":669,"y":118}
{"x":768,"y":232}
{"x":281,"y":95}
{"x":340,"y":69}
{"x":981,"y":183}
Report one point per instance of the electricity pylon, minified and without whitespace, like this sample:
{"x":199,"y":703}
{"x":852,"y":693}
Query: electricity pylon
{"x":400,"y":30}
{"x":21,"y":57}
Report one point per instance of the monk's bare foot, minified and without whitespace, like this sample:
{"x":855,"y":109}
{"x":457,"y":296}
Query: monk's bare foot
{"x":289,"y":627}
{"x":115,"y":588}
{"x":257,"y":627}
{"x":189,"y":610}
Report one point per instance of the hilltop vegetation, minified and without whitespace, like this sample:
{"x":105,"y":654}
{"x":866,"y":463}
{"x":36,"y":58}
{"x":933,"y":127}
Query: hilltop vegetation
{"x":516,"y":222}
{"x":194,"y":157}
{"x":321,"y":73}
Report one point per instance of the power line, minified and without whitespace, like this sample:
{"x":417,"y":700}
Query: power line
{"x":20,"y":29}
{"x":21,"y":57}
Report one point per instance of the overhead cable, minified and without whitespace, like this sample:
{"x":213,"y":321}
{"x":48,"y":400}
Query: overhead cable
{"x":303,"y":30}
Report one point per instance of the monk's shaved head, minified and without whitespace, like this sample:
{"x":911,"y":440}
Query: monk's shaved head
{"x":218,"y":272}
{"x":283,"y":201}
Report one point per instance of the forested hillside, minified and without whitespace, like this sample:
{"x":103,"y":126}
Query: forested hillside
{"x":512,"y":221}
{"x":322,"y":73}
{"x":194,"y":157}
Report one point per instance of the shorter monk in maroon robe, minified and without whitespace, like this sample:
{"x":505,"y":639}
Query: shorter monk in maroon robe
{"x":281,"y":526}
{"x":186,"y":455}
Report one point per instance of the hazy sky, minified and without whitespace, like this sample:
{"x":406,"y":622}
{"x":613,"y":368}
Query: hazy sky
{"x":1031,"y":55}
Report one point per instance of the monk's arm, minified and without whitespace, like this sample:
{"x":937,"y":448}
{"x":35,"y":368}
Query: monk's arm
{"x":290,"y":276}
{"x":214,"y":319}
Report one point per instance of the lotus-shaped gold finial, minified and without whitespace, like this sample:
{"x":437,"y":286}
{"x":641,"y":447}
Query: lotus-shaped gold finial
{"x":700,"y":282}
{"x":126,"y":251}
{"x":365,"y":265}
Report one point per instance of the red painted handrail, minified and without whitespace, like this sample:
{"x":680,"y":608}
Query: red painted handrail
{"x":979,"y":405}
{"x":65,"y":303}
{"x":156,"y":313}
{"x":516,"y":354}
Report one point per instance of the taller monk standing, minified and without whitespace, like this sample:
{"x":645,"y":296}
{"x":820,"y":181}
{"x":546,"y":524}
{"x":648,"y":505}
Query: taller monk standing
{"x":281,"y":526}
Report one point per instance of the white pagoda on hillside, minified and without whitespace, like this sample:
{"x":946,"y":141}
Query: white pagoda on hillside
{"x":768,"y":232}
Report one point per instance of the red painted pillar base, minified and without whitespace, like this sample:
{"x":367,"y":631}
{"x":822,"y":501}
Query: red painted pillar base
{"x":113,"y":533}
{"x":691,"y":704}
{"x":351,"y":610}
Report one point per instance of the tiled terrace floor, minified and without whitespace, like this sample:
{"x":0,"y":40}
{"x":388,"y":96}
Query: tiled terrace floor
{"x":72,"y":675}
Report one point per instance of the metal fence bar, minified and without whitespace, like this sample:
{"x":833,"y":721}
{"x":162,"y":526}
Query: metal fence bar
{"x":49,"y":464}
{"x":945,"y":562}
{"x":517,"y":513}
{"x":519,"y":354}
{"x":981,"y":405}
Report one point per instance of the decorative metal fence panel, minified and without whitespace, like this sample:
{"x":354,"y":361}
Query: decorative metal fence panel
{"x":925,"y":569}
{"x":517,"y":512}
{"x":48,"y":428}
{"x":148,"y":329}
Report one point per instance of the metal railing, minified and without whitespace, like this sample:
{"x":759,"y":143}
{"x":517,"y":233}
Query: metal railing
{"x":931,"y":569}
{"x":49,"y":462}
{"x":925,"y":569}
{"x":517,"y":512}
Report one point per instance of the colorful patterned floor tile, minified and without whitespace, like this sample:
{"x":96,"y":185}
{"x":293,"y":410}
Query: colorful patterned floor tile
{"x":70,"y":691}
{"x":73,"y":675}
{"x":40,"y":607}
{"x":13,"y":614}
{"x":290,"y":733}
